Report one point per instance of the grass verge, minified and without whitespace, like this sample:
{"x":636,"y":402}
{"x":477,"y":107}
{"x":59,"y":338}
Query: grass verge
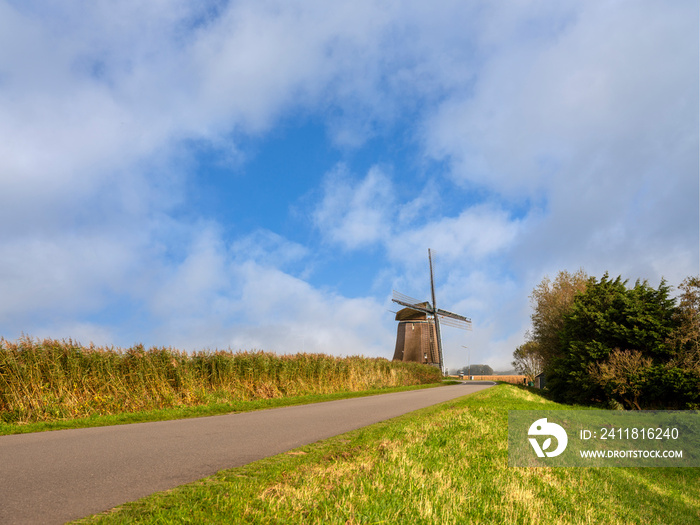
{"x":443,"y":464}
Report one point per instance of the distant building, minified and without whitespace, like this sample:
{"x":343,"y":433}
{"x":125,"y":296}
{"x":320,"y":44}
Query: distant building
{"x":540,"y":380}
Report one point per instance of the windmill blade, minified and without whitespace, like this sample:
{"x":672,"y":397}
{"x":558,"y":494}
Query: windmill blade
{"x":419,"y":307}
{"x":462,"y":324}
{"x":452,"y":315}
{"x":432,"y":283}
{"x":403,"y":298}
{"x":454,"y":320}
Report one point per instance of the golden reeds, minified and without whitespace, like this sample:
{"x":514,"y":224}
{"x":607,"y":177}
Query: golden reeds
{"x":514,"y":379}
{"x":50,"y":379}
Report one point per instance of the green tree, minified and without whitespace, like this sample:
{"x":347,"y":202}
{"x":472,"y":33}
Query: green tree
{"x":686,"y":338}
{"x":475,"y":370}
{"x":527,"y":360}
{"x":609,"y":316}
{"x":550,"y":301}
{"x":478,"y":370}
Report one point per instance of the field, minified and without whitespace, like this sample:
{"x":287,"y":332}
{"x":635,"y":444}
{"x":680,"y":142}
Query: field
{"x":514,"y":379}
{"x":444,"y":464}
{"x":50,"y":381}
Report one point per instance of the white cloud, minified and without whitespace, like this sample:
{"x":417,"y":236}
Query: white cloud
{"x":599,"y":118}
{"x":269,"y":248}
{"x":478,"y":232}
{"x":65,"y":275}
{"x":287,"y":314}
{"x":359,"y":213}
{"x":237,"y":296}
{"x":562,"y":100}
{"x":355,"y":214}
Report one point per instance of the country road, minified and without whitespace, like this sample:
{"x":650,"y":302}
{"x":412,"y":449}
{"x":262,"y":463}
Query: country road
{"x":54,"y":477}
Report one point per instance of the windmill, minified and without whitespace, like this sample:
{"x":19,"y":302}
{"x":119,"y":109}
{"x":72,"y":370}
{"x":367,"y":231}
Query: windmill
{"x":418,"y":334}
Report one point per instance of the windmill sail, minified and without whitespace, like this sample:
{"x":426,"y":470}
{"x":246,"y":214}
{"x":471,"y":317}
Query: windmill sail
{"x":418,"y":336}
{"x":448,"y":318}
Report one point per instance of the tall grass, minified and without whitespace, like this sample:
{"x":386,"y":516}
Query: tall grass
{"x":50,"y":379}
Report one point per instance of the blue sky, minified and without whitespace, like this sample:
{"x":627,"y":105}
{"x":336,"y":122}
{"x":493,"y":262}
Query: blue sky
{"x":261,"y":174}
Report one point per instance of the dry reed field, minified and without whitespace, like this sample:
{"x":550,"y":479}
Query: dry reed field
{"x":51,"y":380}
{"x":515,"y":380}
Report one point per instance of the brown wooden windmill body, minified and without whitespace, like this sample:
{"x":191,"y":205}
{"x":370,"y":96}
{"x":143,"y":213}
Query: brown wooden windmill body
{"x":416,"y":339}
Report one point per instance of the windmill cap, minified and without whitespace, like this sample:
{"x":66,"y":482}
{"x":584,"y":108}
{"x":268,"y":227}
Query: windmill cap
{"x":409,"y":314}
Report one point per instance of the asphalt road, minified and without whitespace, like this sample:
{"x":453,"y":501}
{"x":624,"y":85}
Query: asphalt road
{"x":54,"y":477}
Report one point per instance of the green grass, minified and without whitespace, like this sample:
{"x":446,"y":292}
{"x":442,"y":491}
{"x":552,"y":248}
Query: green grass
{"x":443,"y":464}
